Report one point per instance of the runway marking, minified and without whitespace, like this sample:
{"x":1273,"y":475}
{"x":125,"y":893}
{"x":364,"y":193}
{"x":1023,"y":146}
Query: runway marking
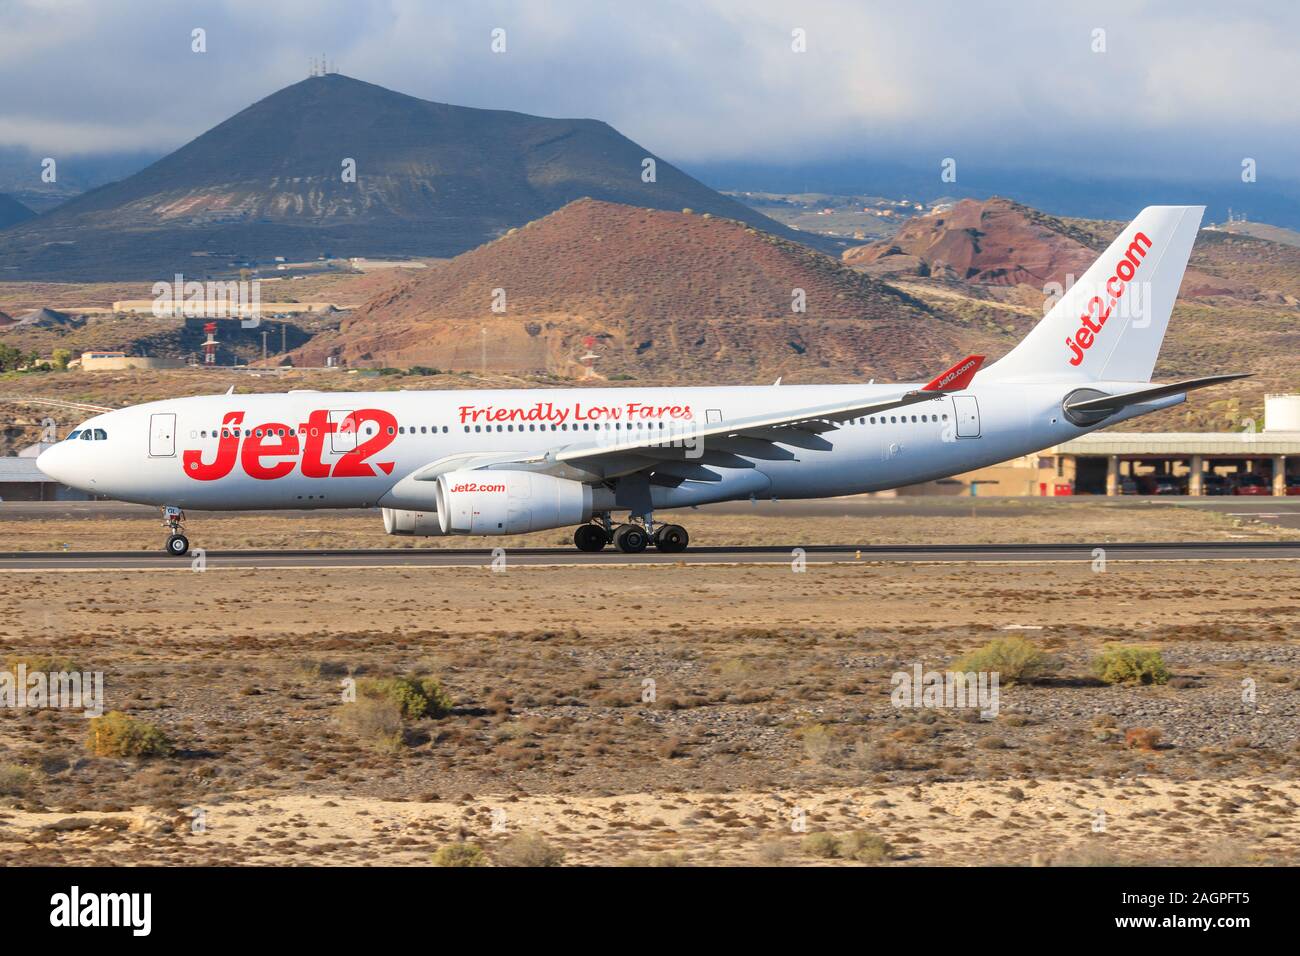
{"x":627,"y":564}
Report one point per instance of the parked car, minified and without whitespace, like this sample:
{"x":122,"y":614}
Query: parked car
{"x":1214,"y":485}
{"x":1293,"y":485}
{"x":1127,"y":486}
{"x":1250,"y":485}
{"x":1166,"y":485}
{"x":1157,"y":485}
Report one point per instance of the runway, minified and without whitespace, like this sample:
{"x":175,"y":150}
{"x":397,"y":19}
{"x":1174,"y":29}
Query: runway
{"x":87,"y":561}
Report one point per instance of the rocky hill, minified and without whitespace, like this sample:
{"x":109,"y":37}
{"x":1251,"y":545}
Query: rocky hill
{"x":650,"y":293}
{"x":431,"y":179}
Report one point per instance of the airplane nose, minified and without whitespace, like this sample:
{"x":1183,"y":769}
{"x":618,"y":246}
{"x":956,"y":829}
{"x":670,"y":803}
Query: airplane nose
{"x":53,"y":463}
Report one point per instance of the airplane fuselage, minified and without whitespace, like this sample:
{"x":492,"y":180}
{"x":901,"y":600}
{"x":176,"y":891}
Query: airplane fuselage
{"x":352,"y":449}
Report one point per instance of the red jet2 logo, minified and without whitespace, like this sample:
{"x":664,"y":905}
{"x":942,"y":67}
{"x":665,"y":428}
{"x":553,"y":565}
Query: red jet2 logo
{"x":1097,"y":311}
{"x":272,"y":451}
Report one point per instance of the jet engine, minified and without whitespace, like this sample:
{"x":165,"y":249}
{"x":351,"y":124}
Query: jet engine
{"x":509,"y":502}
{"x":419,"y":523}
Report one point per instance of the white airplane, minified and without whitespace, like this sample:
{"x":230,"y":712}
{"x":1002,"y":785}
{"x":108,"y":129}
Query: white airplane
{"x":506,"y":462}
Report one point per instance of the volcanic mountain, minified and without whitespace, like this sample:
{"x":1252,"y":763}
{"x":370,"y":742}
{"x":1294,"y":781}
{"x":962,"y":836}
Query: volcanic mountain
{"x":12,"y":212}
{"x":430,"y":179}
{"x":650,"y":294}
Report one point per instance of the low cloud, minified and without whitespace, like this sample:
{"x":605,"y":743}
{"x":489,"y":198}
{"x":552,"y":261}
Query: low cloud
{"x":1201,"y":84}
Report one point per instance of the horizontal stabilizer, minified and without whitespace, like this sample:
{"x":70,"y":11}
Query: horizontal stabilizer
{"x":1113,"y":403}
{"x":957,"y":377}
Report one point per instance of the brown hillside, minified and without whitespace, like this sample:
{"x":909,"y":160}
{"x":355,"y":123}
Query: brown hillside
{"x":995,"y":241}
{"x":998,"y":242}
{"x":653,"y":294}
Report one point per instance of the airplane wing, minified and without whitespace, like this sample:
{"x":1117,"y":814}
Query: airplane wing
{"x":686,"y":450}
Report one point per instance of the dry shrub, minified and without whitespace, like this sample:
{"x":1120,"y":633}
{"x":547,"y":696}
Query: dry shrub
{"x":865,"y":847}
{"x":1127,"y":664}
{"x":15,"y":781}
{"x":818,"y":741}
{"x":822,"y":845}
{"x":460,"y":854}
{"x":657,"y":860}
{"x":529,"y":849}
{"x":1142,"y":738}
{"x":860,"y":845}
{"x":375,"y":720}
{"x":1011,"y":658}
{"x":415,"y":697}
{"x":43,"y":664}
{"x":118,"y":735}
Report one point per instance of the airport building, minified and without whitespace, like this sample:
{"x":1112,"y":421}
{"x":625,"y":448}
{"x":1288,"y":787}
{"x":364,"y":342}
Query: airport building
{"x":116,"y":361}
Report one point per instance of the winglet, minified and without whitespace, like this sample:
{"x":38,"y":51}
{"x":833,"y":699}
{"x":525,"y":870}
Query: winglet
{"x":957,"y":377}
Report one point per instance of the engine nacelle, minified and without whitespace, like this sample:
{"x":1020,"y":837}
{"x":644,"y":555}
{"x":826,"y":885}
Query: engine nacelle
{"x":509,"y":502}
{"x":421,"y":523}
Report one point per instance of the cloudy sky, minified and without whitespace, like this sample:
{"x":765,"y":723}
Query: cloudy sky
{"x":1189,"y":88}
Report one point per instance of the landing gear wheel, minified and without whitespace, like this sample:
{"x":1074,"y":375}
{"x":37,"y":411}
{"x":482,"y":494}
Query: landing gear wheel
{"x":178,"y":545}
{"x":590,"y":537}
{"x":671,"y":538}
{"x":631,"y":539}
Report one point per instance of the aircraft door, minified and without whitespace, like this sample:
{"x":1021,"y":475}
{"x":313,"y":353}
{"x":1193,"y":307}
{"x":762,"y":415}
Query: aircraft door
{"x":162,"y":435}
{"x":344,"y":436}
{"x":967,"y":411}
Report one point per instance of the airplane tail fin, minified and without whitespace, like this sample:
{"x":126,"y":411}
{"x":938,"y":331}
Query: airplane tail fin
{"x":1109,"y":325}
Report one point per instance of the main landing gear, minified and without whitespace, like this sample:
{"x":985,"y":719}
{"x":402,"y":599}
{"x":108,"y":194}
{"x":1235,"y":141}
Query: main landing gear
{"x":174,"y":520}
{"x":631,"y":538}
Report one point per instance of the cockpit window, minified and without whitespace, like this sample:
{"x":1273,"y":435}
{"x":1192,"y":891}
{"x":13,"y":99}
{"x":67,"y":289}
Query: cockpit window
{"x":73,"y":435}
{"x":101,"y":435}
{"x":88,"y":435}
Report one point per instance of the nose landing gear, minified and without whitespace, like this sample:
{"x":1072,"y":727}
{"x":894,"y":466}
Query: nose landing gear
{"x":177,"y":544}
